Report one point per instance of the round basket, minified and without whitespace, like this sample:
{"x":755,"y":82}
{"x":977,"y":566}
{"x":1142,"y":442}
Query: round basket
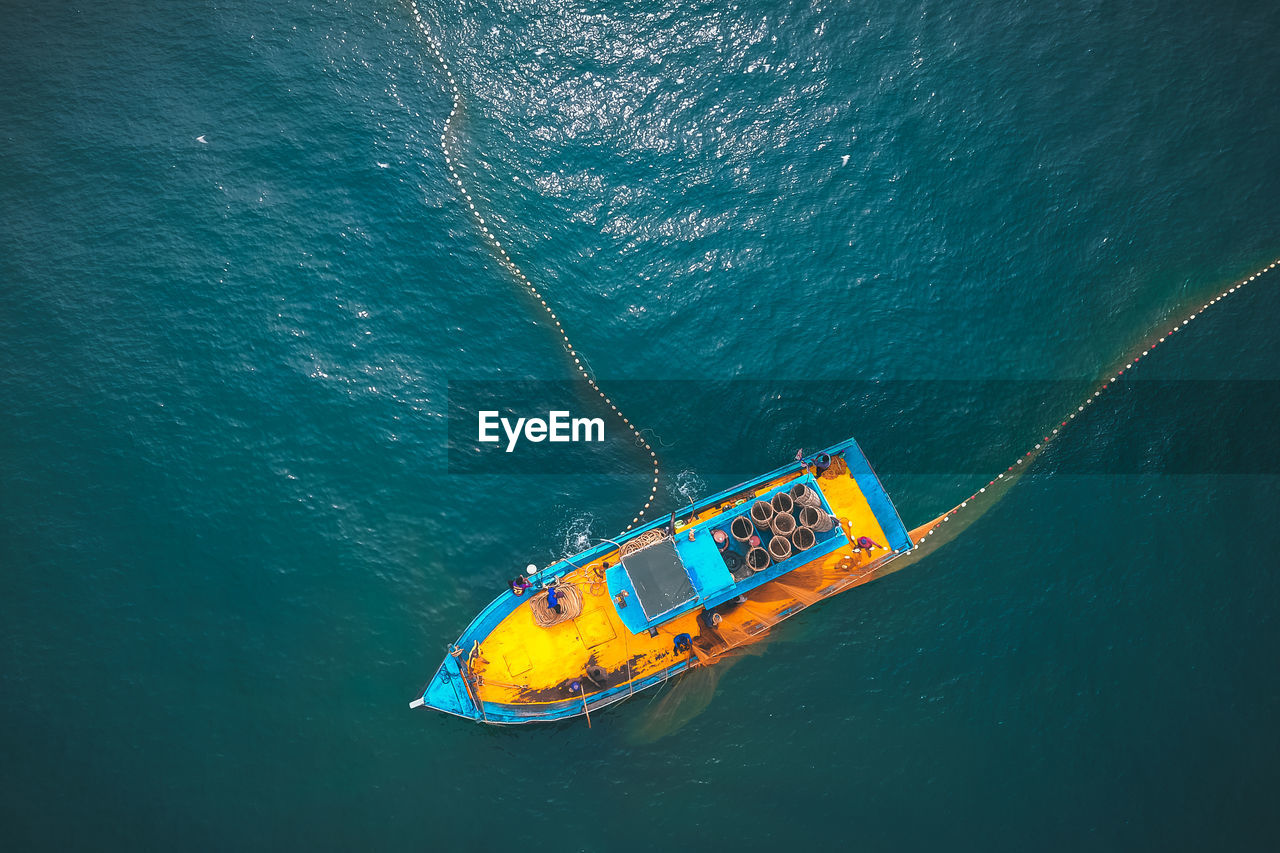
{"x":758,"y":559}
{"x":802,"y":495}
{"x":783,"y":523}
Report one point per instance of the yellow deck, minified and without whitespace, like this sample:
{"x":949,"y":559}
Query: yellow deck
{"x":522,"y":664}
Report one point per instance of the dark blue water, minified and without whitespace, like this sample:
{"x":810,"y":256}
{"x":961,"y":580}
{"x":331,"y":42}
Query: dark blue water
{"x":236,"y":282}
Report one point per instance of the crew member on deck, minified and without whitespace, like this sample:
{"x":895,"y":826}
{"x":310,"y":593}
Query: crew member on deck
{"x":553,"y":600}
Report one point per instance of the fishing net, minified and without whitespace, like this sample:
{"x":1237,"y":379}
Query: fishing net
{"x":739,"y":634}
{"x":668,"y":712}
{"x":799,"y":593}
{"x":837,"y":467}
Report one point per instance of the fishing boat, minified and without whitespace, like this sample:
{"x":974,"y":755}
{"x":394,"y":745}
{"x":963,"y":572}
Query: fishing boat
{"x":683,"y":591}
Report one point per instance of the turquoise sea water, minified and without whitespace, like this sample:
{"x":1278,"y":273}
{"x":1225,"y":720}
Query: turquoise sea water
{"x":236,"y":282}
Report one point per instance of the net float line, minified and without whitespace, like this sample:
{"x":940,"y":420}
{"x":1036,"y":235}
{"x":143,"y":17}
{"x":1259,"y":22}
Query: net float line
{"x":452,"y":162}
{"x":1004,"y":479}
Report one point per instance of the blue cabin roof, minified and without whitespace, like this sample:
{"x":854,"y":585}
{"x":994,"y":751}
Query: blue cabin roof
{"x":703,"y":561}
{"x":673,"y":577}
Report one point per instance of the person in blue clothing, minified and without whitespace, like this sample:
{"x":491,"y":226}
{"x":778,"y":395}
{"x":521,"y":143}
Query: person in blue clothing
{"x":553,"y":600}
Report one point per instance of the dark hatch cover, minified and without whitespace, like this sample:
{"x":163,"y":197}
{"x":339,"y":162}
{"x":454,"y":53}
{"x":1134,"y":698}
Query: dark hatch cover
{"x":659,"y":578}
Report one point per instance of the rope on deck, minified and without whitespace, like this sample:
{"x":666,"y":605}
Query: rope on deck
{"x":644,"y":540}
{"x":570,"y":600}
{"x":1130,"y":364}
{"x":505,"y":260}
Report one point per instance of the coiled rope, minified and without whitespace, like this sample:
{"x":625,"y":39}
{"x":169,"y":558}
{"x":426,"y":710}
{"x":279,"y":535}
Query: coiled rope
{"x":1130,"y":364}
{"x":451,"y":161}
